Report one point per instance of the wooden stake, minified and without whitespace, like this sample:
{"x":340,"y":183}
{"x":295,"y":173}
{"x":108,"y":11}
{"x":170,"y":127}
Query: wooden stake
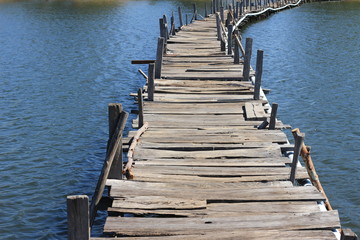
{"x":259,"y":67}
{"x":151,"y":84}
{"x":78,"y":217}
{"x":299,"y":140}
{"x":180,"y":18}
{"x":141,"y":108}
{"x":159,"y":56}
{"x":218,"y":27}
{"x":115,"y":110}
{"x":222,"y":15}
{"x":247,"y":59}
{"x":195,"y":12}
{"x":206,"y":13}
{"x":236,"y":49}
{"x":305,"y":154}
{"x":230,"y":29}
{"x":274,"y":108}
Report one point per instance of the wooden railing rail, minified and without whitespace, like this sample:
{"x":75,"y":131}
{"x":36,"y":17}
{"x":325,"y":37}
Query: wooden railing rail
{"x":114,"y":145}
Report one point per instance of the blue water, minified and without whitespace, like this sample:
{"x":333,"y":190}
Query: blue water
{"x":62,"y":62}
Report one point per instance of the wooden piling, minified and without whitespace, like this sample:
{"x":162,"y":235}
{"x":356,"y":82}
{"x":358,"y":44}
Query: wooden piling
{"x":218,"y":26}
{"x":151,"y":85}
{"x":236,"y":48}
{"x":222,"y":17}
{"x":247,"y":59}
{"x":230,"y":37}
{"x":141,"y":109}
{"x":172,"y":22}
{"x":159,"y":56}
{"x":114,"y":111}
{"x":194,"y":11}
{"x":206,"y":12}
{"x":78,"y":217}
{"x":258,"y":74}
{"x":180,"y":18}
{"x":299,"y":140}
{"x":274,"y":108}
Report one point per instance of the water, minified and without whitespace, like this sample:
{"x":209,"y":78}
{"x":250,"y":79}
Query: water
{"x":62,"y":62}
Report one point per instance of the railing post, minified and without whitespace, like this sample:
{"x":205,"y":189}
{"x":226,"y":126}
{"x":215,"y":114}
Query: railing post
{"x":151,"y":84}
{"x":114,"y":111}
{"x":195,"y":11}
{"x":230,"y":29}
{"x":222,"y":15}
{"x":166,"y":27}
{"x":236,"y":50}
{"x":274,"y":108}
{"x":78,"y":217}
{"x":206,"y":12}
{"x":218,"y":26}
{"x":247,"y":59}
{"x":180,"y":18}
{"x":159,"y":57}
{"x":141,"y":108}
{"x":258,"y":73}
{"x":299,"y":140}
{"x":237,"y":10}
{"x":172,"y":21}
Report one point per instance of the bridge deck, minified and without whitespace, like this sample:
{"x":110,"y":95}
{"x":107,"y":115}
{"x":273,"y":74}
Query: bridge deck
{"x":203,"y":170}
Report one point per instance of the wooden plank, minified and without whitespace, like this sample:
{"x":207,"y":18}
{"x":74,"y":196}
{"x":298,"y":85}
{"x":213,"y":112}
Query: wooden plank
{"x":173,"y":226}
{"x":255,"y":111}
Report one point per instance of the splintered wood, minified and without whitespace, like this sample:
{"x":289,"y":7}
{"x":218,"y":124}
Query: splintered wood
{"x":202,"y":169}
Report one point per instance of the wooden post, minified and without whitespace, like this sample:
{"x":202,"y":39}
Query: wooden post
{"x":206,"y":13}
{"x":222,"y":15}
{"x":274,"y":108}
{"x":166,"y":27}
{"x":195,"y":11}
{"x":141,"y":108}
{"x":347,"y":234}
{"x":151,"y":84}
{"x":78,"y":217}
{"x":299,"y":140}
{"x":230,"y":29}
{"x":114,"y":111}
{"x":237,"y":10}
{"x":180,"y":18}
{"x":163,"y":31}
{"x":236,"y":49}
{"x":306,"y":156}
{"x":218,"y":26}
{"x":258,"y":74}
{"x":159,"y":57}
{"x":247,"y":59}
{"x":172,"y":21}
{"x":186,"y":19}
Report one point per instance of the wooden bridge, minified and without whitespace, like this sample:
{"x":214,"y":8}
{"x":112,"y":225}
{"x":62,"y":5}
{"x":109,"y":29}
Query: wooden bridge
{"x":209,"y":159}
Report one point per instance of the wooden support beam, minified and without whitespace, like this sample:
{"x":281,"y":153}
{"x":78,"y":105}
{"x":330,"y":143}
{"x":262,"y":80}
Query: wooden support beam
{"x":230,"y":30}
{"x":143,"y":74}
{"x":142,"y":61}
{"x":274,"y":108}
{"x":114,"y":111}
{"x":247,"y":59}
{"x":258,"y":75}
{"x":151,"y":80}
{"x":299,"y":140}
{"x":78,"y":217}
{"x":141,"y":108}
{"x":159,"y":56}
